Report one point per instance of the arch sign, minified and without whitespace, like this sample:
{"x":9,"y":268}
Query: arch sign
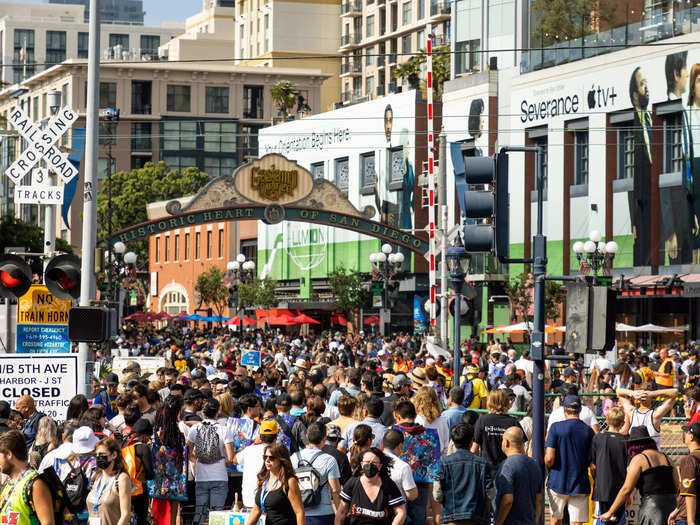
{"x":273,"y":189}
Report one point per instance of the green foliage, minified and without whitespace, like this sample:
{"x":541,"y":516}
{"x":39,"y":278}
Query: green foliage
{"x":133,"y":190}
{"x":16,"y":233}
{"x":411,"y":69}
{"x":212,"y":290}
{"x":520,"y":290}
{"x":284,"y":96}
{"x":348,"y":289}
{"x":560,"y":20}
{"x":258,"y":292}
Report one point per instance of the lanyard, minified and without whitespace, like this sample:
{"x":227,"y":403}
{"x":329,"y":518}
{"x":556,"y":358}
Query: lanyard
{"x":98,"y":493}
{"x":12,"y":491}
{"x":264,"y":492}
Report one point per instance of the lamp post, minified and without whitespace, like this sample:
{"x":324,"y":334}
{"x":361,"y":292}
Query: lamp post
{"x":119,"y":263}
{"x":111,"y":117}
{"x":595,"y":253}
{"x":239,"y":271}
{"x":458,"y":264}
{"x":385,"y":263}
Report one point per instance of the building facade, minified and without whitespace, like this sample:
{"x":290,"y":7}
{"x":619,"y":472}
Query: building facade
{"x":128,"y":12}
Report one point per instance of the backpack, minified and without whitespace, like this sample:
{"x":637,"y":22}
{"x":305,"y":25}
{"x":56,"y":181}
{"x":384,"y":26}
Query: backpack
{"x":286,"y":422}
{"x":468,"y":389}
{"x":206,"y":444}
{"x":133,"y":465}
{"x":61,"y":505}
{"x":309,"y":481}
{"x":76,"y":487}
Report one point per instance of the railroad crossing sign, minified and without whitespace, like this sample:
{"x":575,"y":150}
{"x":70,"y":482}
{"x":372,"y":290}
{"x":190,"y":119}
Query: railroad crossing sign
{"x":42,"y":144}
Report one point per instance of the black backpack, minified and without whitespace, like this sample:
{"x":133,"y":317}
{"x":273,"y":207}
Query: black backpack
{"x":61,"y":505}
{"x":76,"y":487}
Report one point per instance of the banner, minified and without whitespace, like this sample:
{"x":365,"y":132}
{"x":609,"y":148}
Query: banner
{"x":420,"y":323}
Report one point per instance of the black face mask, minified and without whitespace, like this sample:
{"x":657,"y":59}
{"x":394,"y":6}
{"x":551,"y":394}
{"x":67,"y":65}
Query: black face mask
{"x":103,"y":462}
{"x":370,"y":470}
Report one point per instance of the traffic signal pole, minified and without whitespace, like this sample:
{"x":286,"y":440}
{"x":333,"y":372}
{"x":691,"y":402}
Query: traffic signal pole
{"x":87,"y":277}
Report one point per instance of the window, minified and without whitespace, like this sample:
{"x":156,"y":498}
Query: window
{"x":176,"y":248}
{"x":119,"y":40}
{"x":35,"y":108}
{"x":673,"y":143}
{"x":542,"y":143}
{"x":406,"y":44}
{"x":216,"y":99}
{"x":367,"y":170}
{"x":138,"y":162}
{"x":141,"y":97}
{"x":55,"y":47}
{"x":220,"y":137}
{"x":209,"y":243}
{"x":625,"y":153}
{"x":253,"y":102}
{"x":249,"y":137}
{"x":187,"y":247}
{"x":23,"y":54}
{"x":369,"y":26}
{"x":178,"y":98}
{"x":421,"y":9}
{"x":83,"y":44}
{"x":103,"y":167}
{"x":197,"y":245}
{"x":369,"y":57}
{"x":406,"y":17}
{"x":149,"y":45}
{"x":157,"y":249}
{"x":179,"y":162}
{"x":398,"y":164}
{"x":501,"y":17}
{"x":108,"y":94}
{"x":342,"y":174}
{"x":179,"y":135}
{"x":369,"y":86}
{"x":581,"y":157}
{"x":141,"y":136}
{"x":317,"y":169}
{"x":218,"y":167}
{"x":167,"y":248}
{"x":221,"y":244}
{"x":174,"y":303}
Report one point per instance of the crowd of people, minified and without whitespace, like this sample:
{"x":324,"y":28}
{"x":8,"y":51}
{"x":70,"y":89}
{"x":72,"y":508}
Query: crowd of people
{"x":351,"y":430}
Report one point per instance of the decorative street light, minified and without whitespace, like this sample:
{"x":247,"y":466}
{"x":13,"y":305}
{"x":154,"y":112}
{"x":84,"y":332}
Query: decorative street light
{"x":118,"y":264}
{"x":239,"y":271}
{"x":385,"y":265}
{"x":595,"y":253}
{"x":458,"y":264}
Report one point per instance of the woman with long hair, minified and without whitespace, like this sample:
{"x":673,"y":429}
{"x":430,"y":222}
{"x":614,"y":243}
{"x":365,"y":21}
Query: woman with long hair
{"x":46,"y":440}
{"x":278,"y":495}
{"x":109,"y":499}
{"x":169,"y":484}
{"x":623,"y":376}
{"x":370,"y":496}
{"x":77,"y":407}
{"x":428,"y":409}
{"x":652,"y":473}
{"x":362,"y":438}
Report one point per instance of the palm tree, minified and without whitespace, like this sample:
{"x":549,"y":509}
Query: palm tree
{"x":284,"y":95}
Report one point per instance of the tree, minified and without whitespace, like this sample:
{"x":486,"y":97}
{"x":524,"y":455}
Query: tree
{"x":349,"y":291}
{"x":560,"y":20}
{"x":520,"y":290}
{"x":133,"y":190}
{"x":212,"y":290}
{"x":412,"y":68}
{"x":284,"y":95}
{"x":16,"y":233}
{"x":258,"y":292}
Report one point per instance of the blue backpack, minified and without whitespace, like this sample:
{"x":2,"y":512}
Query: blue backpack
{"x":468,"y":389}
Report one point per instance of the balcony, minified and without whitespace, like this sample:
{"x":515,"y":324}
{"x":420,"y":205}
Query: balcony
{"x":345,"y":68}
{"x":439,"y":10}
{"x":381,"y":2}
{"x":347,"y":96}
{"x":353,"y":8}
{"x":356,"y":94}
{"x":350,"y":41}
{"x":394,"y":88}
{"x":380,"y":61}
{"x":392,"y":58}
{"x":381,"y":90}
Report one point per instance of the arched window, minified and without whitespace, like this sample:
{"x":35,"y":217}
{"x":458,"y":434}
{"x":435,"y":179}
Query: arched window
{"x":173,"y":299}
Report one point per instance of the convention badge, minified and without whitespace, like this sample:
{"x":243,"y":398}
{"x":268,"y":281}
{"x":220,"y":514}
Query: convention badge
{"x":95,"y":521}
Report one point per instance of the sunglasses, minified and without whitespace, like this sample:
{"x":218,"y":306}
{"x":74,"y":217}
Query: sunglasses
{"x":269,"y":458}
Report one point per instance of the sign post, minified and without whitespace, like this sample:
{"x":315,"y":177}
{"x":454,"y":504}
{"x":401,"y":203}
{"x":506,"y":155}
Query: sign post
{"x":42,"y":322}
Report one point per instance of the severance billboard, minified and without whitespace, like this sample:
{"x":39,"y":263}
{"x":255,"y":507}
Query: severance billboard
{"x":367,"y":150}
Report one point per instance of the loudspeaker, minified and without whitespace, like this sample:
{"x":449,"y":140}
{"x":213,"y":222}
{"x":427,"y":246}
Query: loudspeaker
{"x":577,"y":321}
{"x":602,"y":310}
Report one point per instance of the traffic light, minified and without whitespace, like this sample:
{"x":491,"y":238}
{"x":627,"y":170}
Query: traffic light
{"x":15,"y":276}
{"x":463,"y":306}
{"x":487,"y":211}
{"x":62,"y":276}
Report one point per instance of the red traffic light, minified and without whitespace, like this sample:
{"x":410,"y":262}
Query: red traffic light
{"x":62,"y":276}
{"x":15,"y":276}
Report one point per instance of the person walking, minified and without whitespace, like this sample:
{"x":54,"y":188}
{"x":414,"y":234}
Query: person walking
{"x":489,"y":428}
{"x":25,"y":405}
{"x":687,"y":511}
{"x":400,"y":472}
{"x":567,"y":452}
{"x":453,"y":414}
{"x":252,"y":461}
{"x":519,"y":498}
{"x":278,"y":495}
{"x":109,"y":500}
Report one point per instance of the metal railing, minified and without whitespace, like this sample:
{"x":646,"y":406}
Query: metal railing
{"x":380,"y":61}
{"x":351,"y":7}
{"x":439,"y":8}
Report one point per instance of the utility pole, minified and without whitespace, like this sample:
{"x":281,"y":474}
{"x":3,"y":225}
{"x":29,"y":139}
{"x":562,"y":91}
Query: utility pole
{"x":442,"y":200}
{"x":87,"y":278}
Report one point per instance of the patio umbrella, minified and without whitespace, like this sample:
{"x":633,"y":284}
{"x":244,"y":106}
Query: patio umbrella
{"x":494,"y":330}
{"x":282,"y":320}
{"x":235,"y":321}
{"x":304,"y":319}
{"x":164,"y":316}
{"x":339,"y":319}
{"x":137,"y":317}
{"x":372,"y":319}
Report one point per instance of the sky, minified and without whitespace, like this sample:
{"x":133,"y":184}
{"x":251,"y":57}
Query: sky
{"x":158,"y":11}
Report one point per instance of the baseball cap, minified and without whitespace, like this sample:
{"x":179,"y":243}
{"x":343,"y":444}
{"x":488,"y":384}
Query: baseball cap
{"x":400,"y":380}
{"x":471,"y":369}
{"x":269,"y":427}
{"x":333,"y":432}
{"x":693,"y":429}
{"x":572,"y":401}
{"x":142,"y":426}
{"x":569,"y":372}
{"x":112,"y":379}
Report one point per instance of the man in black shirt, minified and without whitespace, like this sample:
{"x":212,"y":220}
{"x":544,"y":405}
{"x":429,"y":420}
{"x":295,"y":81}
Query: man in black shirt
{"x":400,"y":387}
{"x":331,"y":447}
{"x":489,"y":428}
{"x":609,"y":462}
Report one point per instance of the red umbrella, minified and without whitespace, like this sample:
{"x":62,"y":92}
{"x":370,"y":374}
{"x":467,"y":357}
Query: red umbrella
{"x":304,"y":319}
{"x":372,"y":319}
{"x":164,"y":316}
{"x":137,"y":317}
{"x":235,"y":321}
{"x":339,"y":319}
{"x":283,"y":320}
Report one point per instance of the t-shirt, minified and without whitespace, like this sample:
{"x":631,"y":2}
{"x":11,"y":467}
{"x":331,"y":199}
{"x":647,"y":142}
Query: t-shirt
{"x":327,"y":468}
{"x":365,"y":512}
{"x":488,"y":434}
{"x":401,"y":474}
{"x":211,"y":471}
{"x":572,"y":440}
{"x":480,"y":392}
{"x":689,"y":473}
{"x":609,"y":455}
{"x":520,"y":476}
{"x":442,"y":428}
{"x":251,"y":459}
{"x":586,"y":415}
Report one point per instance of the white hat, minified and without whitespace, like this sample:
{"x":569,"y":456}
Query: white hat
{"x":84,"y":440}
{"x":430,"y":361}
{"x":301,"y":363}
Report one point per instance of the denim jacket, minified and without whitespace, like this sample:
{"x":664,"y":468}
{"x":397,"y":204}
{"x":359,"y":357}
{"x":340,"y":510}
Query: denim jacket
{"x":467,"y":487}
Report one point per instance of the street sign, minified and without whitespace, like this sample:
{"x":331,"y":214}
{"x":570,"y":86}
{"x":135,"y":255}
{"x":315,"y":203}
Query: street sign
{"x":40,"y":177}
{"x":42,"y":322}
{"x":250,"y":358}
{"x":42,"y":144}
{"x":39,"y":194}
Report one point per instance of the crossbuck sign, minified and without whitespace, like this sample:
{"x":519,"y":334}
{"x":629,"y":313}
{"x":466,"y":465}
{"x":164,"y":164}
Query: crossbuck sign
{"x":42,"y":144}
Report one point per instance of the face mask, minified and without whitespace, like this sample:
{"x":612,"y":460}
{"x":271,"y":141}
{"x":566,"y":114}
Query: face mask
{"x":370,"y":470}
{"x":103,"y":462}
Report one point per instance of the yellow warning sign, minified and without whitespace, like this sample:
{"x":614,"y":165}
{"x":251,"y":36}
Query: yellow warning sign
{"x":38,"y":306}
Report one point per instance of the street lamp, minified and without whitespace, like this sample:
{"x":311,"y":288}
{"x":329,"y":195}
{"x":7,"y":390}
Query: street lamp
{"x":386,"y":264}
{"x":119,"y":263}
{"x":595,"y":253}
{"x":239,"y":271}
{"x":458,"y":264}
